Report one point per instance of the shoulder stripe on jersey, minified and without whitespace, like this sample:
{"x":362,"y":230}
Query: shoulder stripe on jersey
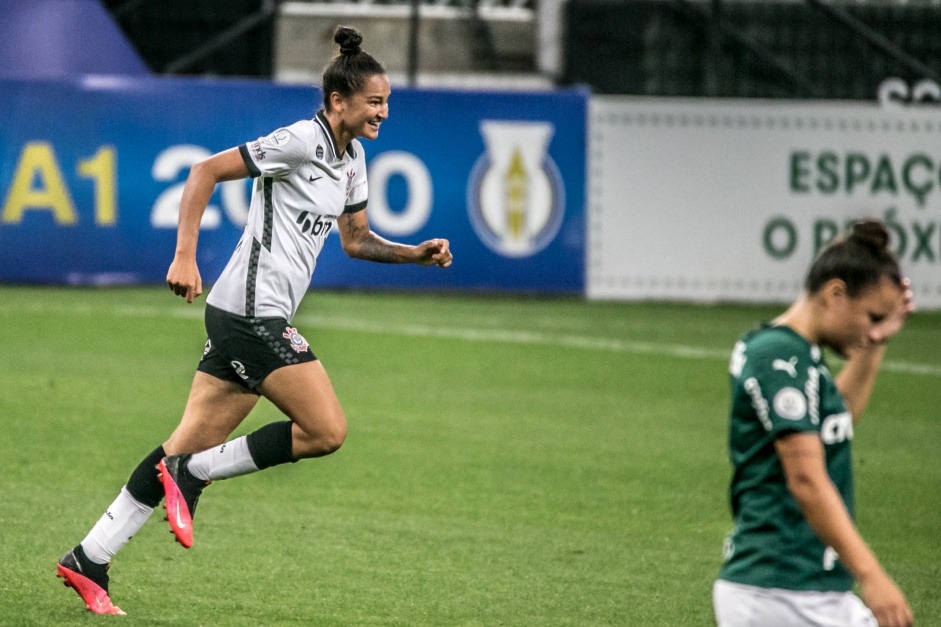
{"x":252,"y":168}
{"x":321,"y":119}
{"x":354,"y":208}
{"x":251,"y":281}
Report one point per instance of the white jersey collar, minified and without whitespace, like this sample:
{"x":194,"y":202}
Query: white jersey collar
{"x":321,"y":119}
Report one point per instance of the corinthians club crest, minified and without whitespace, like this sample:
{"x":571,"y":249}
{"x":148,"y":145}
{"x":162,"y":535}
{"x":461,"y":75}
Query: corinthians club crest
{"x":515,"y":195}
{"x":298,"y":343}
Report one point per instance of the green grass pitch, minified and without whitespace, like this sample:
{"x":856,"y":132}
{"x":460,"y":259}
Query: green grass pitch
{"x":510,"y":461}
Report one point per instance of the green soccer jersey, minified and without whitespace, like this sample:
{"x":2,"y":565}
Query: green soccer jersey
{"x":781,"y":385}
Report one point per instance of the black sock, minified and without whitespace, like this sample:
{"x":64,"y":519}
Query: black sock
{"x":271,"y":445}
{"x":144,"y":485}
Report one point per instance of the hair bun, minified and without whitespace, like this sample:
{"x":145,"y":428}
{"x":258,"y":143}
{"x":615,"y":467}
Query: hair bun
{"x":349,"y":40}
{"x":872,"y":233}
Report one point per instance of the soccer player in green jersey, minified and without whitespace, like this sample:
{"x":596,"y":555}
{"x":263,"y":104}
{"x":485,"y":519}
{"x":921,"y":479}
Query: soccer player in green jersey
{"x":794,"y":553}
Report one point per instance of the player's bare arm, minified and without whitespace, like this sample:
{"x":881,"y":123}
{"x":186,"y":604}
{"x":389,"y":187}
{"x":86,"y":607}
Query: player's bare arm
{"x":360,"y":242}
{"x":183,"y":276}
{"x":802,"y":457}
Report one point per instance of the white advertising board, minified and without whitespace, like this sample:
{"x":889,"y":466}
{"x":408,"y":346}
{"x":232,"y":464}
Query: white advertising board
{"x":712,"y":200}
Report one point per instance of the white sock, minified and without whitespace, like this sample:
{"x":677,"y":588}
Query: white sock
{"x":231,"y":459}
{"x":119,"y":523}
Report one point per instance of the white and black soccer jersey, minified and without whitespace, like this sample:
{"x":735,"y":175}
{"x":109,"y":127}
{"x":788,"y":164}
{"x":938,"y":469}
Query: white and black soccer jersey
{"x":302,"y":186}
{"x":780,"y":384}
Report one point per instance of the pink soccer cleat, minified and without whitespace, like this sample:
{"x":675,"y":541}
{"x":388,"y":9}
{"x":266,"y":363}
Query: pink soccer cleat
{"x":88,"y":579}
{"x":182,"y":490}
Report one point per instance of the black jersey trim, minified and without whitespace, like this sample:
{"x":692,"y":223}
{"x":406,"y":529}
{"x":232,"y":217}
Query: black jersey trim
{"x":252,"y":168}
{"x":321,"y":118}
{"x":252,"y":279}
{"x":269,"y":214}
{"x":355,"y":208}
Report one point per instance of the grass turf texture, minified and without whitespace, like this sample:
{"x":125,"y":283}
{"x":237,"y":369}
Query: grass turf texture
{"x":509,"y":462}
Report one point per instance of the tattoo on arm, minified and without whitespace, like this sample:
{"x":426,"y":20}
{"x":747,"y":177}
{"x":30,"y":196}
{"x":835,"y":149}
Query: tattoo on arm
{"x":373,"y":248}
{"x":370,"y":246}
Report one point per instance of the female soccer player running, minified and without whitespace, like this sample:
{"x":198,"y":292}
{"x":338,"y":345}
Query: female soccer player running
{"x":310,"y":178}
{"x":794,"y":552}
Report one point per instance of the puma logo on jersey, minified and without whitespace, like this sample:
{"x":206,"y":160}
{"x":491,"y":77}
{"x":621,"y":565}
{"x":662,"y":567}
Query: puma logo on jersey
{"x":789,"y":366}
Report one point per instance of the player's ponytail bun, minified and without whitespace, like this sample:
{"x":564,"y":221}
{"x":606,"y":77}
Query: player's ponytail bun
{"x":870,"y":233}
{"x":860,"y":259}
{"x":349,"y":40}
{"x":347,"y":72}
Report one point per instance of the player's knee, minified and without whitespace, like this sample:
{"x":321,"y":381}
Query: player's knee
{"x":334,"y":437}
{"x":326,"y":439}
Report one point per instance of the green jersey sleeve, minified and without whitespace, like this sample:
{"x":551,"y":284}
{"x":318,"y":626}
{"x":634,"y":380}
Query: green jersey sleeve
{"x":780,"y":376}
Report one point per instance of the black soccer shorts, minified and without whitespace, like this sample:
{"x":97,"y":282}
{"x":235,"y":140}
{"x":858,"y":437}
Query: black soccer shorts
{"x":246,"y":350}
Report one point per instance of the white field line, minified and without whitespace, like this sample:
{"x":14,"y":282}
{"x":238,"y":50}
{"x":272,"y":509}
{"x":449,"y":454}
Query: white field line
{"x":505,"y":336}
{"x":508,"y":336}
{"x":569,"y":341}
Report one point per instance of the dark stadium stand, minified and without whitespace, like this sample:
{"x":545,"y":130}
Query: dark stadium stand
{"x":750,"y":48}
{"x":830,"y":49}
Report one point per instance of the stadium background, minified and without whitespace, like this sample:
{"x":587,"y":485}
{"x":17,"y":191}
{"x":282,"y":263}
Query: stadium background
{"x":671,"y":153}
{"x":774,"y":124}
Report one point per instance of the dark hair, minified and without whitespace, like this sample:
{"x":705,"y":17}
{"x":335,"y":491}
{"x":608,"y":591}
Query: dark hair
{"x":859,"y":258}
{"x":347,"y":72}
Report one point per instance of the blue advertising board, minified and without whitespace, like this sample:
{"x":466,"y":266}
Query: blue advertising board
{"x":92,"y":169}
